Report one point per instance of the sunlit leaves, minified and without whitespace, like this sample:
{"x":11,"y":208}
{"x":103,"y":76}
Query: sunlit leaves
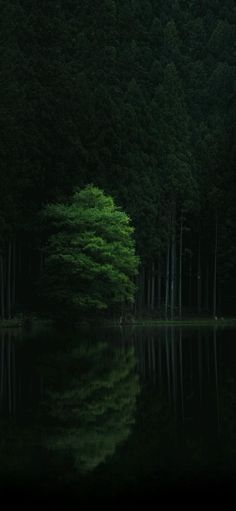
{"x":90,"y":255}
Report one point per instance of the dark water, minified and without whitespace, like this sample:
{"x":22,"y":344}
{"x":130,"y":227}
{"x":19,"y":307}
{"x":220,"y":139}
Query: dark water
{"x":106,"y":413}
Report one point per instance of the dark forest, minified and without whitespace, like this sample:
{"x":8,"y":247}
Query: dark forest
{"x":135,"y":98}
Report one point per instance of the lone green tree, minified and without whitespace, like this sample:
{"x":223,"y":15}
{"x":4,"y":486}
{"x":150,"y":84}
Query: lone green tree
{"x":90,"y":260}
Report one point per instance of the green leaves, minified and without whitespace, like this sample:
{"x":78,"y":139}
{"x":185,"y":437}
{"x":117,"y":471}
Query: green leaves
{"x":90,"y":256}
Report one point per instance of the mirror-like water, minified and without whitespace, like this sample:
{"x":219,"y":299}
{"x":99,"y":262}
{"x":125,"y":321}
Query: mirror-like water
{"x":117,"y":410}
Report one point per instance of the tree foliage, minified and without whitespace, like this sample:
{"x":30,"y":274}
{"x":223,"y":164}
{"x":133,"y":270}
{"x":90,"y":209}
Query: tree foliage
{"x":138,"y":100}
{"x":90,"y":255}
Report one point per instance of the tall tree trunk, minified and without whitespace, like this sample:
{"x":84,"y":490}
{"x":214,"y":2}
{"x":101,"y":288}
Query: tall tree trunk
{"x":141,"y":289}
{"x":180,"y":265}
{"x":207,"y":287}
{"x":173,"y":263}
{"x":143,"y":292}
{"x":19,"y":261}
{"x":219,"y":308}
{"x":134,"y":304}
{"x":153,"y":359}
{"x":153,"y":287}
{"x":143,"y":358}
{"x":29,"y":259}
{"x":159,"y":285}
{"x":190,"y":282}
{"x":149,"y":358}
{"x":191,"y":365}
{"x":199,"y":304}
{"x":215,"y":267}
{"x":14,"y":274}
{"x":207,"y":341}
{"x":9,"y":280}
{"x":159,"y":364}
{"x":2,"y":287}
{"x":149,"y":289}
{"x":167,"y":279}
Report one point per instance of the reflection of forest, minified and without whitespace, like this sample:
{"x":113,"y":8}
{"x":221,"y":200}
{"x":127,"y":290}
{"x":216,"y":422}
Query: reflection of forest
{"x":228,"y":405}
{"x":188,"y":366}
{"x":20,"y":383}
{"x":20,"y":389}
{"x":83,"y":411}
{"x":91,"y":401}
{"x":67,"y":403}
{"x":187,"y":412}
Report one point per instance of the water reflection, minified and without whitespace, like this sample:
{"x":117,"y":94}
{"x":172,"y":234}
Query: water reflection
{"x":90,"y":397}
{"x":184,"y":365}
{"x":128,"y":403}
{"x":8,"y":372}
{"x":63,"y":400}
{"x":19,"y":379}
{"x":185,"y":429}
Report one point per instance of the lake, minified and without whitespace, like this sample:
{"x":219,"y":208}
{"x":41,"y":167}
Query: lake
{"x":117,"y":411}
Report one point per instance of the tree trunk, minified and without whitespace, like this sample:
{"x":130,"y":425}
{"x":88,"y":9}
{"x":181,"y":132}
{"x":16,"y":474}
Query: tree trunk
{"x":141,"y":289}
{"x":14,"y":275}
{"x":9,"y":280}
{"x":167,"y":279}
{"x":207,"y":287}
{"x":149,"y":358}
{"x":219,"y":308}
{"x":190,"y":282}
{"x":2,"y":287}
{"x":215,"y":267}
{"x":142,"y":297}
{"x":143,"y":358}
{"x":199,"y":305}
{"x":29,"y":259}
{"x":159,"y":364}
{"x":180,"y":265}
{"x":159,"y":285}
{"x":173,"y":263}
{"x":153,"y":359}
{"x":153,"y":287}
{"x":149,"y":289}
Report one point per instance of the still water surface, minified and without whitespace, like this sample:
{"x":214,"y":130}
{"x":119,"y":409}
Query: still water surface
{"x":110,"y":411}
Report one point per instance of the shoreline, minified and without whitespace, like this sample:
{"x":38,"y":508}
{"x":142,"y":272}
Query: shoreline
{"x":28,"y":322}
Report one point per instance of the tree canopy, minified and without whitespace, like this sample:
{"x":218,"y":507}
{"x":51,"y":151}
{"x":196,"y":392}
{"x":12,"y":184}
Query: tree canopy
{"x":90,"y":260}
{"x":140,"y":101}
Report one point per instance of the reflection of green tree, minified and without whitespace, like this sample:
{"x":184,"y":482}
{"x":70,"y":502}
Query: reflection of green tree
{"x":92,"y":405}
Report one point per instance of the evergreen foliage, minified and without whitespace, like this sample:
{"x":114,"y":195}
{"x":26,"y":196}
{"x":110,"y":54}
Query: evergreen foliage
{"x":90,"y":256}
{"x":139,"y":100}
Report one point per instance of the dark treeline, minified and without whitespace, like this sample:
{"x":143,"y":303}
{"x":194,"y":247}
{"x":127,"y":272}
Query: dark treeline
{"x":138,"y":98}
